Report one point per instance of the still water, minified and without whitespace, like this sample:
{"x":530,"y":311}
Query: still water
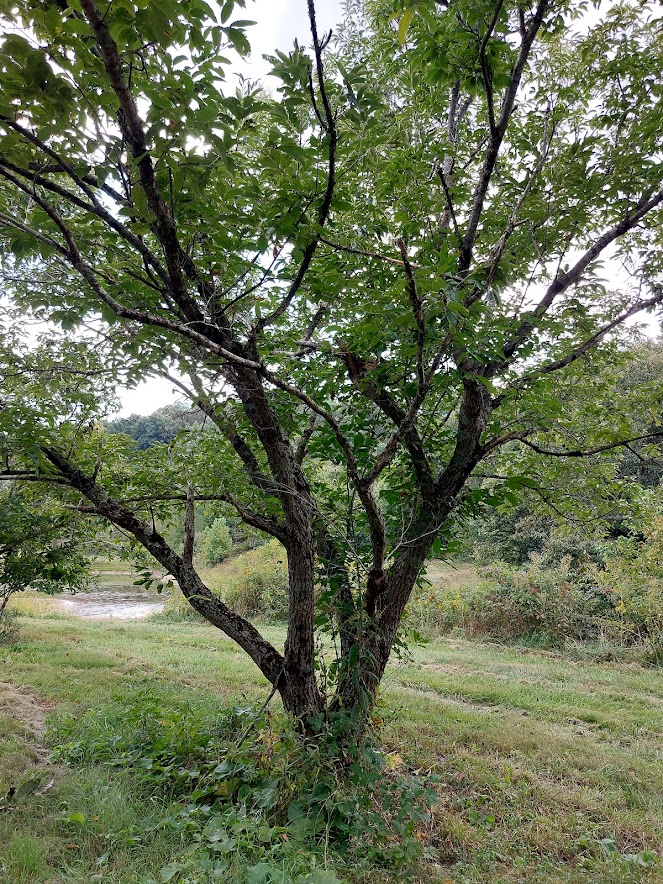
{"x":112,"y":601}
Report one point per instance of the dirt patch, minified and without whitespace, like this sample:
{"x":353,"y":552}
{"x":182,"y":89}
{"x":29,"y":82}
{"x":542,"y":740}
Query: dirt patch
{"x":449,"y":669}
{"x":29,"y":714}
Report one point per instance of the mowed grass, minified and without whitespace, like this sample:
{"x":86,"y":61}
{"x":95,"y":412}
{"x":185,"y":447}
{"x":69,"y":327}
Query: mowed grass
{"x":551,"y":769}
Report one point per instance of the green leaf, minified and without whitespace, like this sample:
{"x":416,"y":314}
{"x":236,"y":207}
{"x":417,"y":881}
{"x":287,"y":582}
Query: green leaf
{"x":264,"y":873}
{"x":27,"y":788}
{"x":404,"y":25}
{"x":168,"y":872}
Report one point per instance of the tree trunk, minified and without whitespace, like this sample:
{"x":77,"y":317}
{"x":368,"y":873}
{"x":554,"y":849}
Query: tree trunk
{"x":299,"y":687}
{"x":365,"y":665}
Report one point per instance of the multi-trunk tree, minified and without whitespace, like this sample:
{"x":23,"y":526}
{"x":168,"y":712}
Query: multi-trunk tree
{"x":370,"y":282}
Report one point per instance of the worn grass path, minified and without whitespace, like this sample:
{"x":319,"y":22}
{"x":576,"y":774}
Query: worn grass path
{"x":551,"y":769}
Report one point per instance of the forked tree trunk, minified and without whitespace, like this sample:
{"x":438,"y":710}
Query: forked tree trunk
{"x":365,"y":665}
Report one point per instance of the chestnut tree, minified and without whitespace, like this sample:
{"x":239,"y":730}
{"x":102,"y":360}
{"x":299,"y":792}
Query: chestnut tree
{"x":372,"y":282}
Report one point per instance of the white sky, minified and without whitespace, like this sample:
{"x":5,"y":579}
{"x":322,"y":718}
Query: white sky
{"x":278,"y":24}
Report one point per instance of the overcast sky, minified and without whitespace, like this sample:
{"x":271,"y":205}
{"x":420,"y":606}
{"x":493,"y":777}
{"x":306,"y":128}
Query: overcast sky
{"x":278,"y":24}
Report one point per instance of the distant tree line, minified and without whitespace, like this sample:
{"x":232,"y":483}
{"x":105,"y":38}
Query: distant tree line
{"x":160,"y":426}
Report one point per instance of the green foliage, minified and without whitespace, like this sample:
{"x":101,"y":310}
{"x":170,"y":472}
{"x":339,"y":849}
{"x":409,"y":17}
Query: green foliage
{"x":507,"y":536}
{"x":373,"y":284}
{"x":246,"y":793}
{"x":642,"y":461}
{"x":256,"y":582}
{"x":514,"y":535}
{"x":215,"y":542}
{"x":633,"y":577}
{"x":554,"y":603}
{"x":161,"y":425}
{"x":43,"y":546}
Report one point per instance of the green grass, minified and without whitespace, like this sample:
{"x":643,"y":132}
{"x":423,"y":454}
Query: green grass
{"x":550,"y":767}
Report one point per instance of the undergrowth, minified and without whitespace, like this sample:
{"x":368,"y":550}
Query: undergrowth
{"x":247,"y":799}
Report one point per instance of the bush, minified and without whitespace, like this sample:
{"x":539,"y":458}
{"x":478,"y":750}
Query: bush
{"x":256,"y":583}
{"x":554,"y":603}
{"x":507,"y":536}
{"x":215,"y":543}
{"x":518,"y":536}
{"x":177,"y":609}
{"x":439,"y":602}
{"x":557,"y":603}
{"x":633,"y":578}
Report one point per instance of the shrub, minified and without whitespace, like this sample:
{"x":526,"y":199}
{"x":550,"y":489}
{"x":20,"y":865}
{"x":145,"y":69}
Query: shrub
{"x":436,"y":609}
{"x":256,"y":583}
{"x":555,"y":602}
{"x":177,"y":609}
{"x":518,"y":536}
{"x":215,"y":543}
{"x":249,"y":799}
{"x":507,"y":536}
{"x":633,"y":578}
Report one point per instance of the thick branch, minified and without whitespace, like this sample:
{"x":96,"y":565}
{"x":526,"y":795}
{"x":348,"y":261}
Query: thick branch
{"x":264,"y":655}
{"x":132,"y":129}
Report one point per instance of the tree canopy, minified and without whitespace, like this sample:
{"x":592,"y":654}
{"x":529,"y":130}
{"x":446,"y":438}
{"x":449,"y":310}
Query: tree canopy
{"x":160,"y":426}
{"x":373,"y":283}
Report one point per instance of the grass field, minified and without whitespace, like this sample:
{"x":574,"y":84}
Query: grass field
{"x":551,"y":769}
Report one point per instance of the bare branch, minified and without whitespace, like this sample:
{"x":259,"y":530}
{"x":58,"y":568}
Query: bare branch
{"x":313,"y":423}
{"x":358,"y":371}
{"x":305,"y":345}
{"x":354,"y":251}
{"x":450,"y":211}
{"x":10,"y":222}
{"x":72,"y":254}
{"x":500,"y":246}
{"x":24,"y":476}
{"x":588,"y":452}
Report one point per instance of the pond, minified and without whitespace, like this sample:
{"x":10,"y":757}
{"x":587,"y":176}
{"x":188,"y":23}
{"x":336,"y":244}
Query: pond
{"x":112,"y":597}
